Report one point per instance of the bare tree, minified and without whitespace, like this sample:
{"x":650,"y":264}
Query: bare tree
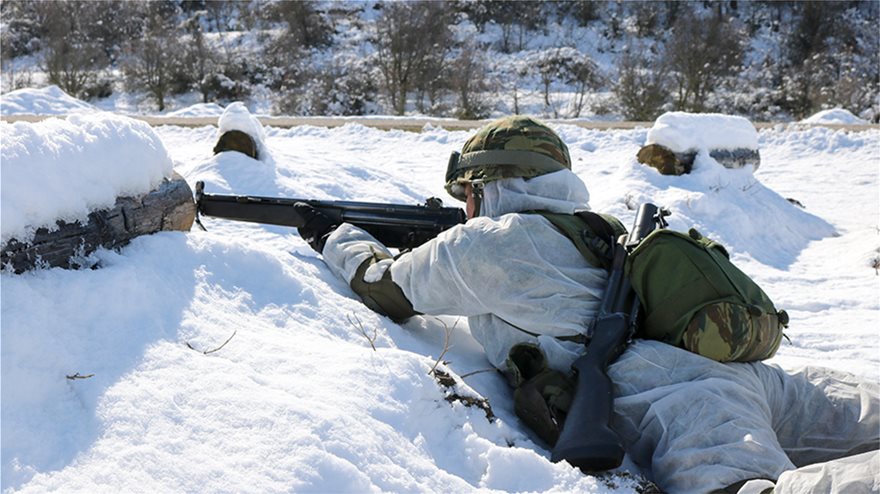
{"x":584,"y":75}
{"x":200,"y":60}
{"x":409,"y":36}
{"x":572,"y":67}
{"x":467,"y":78}
{"x":515,"y":18}
{"x":70,"y":58}
{"x":549,"y":67}
{"x":642,"y":85}
{"x":646,"y":17}
{"x":700,"y":53}
{"x":154,"y":61}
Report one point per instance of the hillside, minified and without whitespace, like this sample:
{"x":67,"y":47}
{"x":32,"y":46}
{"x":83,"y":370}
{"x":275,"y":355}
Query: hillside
{"x":768,"y":61}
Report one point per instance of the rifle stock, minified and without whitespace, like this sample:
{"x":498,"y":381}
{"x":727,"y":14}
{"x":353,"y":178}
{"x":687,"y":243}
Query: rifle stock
{"x":394,"y":225}
{"x":587,"y":440}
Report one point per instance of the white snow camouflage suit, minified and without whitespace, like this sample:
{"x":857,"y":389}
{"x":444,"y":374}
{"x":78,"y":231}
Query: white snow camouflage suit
{"x":694,"y":424}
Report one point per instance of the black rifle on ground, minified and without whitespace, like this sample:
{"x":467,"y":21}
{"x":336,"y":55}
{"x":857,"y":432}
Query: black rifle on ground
{"x":587,"y":440}
{"x":394,"y":225}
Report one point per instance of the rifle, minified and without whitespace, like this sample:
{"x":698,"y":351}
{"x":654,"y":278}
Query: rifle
{"x":587,"y":440}
{"x":394,"y":225}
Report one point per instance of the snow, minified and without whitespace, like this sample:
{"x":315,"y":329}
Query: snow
{"x":64,"y":169}
{"x":198,"y":110}
{"x":233,"y":360}
{"x":835,"y":116}
{"x":686,"y":132}
{"x":50,"y":100}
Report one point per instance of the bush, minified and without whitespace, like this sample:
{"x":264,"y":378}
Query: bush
{"x":642,"y":85}
{"x":219,"y":87}
{"x":343,"y":90}
{"x":831,"y":58}
{"x":20,"y":38}
{"x":304,"y":25}
{"x":101,"y":88}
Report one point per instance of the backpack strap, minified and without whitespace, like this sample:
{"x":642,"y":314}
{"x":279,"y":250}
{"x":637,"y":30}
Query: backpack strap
{"x":593,"y":234}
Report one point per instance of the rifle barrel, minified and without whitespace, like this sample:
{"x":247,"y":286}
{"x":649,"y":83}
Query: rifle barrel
{"x":395,"y":225}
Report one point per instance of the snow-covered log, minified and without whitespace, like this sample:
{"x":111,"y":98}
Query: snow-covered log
{"x":169,"y":206}
{"x":671,"y":163}
{"x":240,"y":131}
{"x":236,"y":140}
{"x":90,"y":180}
{"x":676,"y":138}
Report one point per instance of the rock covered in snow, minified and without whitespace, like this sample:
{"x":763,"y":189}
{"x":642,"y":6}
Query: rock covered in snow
{"x":71,"y":186}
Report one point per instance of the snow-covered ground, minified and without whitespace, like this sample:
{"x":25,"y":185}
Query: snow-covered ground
{"x":233,"y":360}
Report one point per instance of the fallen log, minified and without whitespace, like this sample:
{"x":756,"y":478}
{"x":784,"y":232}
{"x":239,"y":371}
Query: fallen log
{"x":676,"y":138}
{"x":236,"y":140}
{"x":669,"y":162}
{"x":169,"y":206}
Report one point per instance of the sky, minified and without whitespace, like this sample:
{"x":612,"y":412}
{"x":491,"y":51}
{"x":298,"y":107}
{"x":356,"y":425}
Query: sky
{"x":233,"y":360}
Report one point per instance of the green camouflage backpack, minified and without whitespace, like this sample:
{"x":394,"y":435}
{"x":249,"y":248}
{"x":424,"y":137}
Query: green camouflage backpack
{"x":692,"y":296}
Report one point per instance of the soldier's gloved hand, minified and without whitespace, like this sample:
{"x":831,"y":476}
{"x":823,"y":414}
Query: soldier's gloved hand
{"x":317,"y":226}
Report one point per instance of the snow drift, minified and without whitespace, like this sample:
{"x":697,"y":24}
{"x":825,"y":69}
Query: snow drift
{"x":49,"y":100}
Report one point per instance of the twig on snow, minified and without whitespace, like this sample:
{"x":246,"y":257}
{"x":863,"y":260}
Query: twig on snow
{"x":206,"y":352}
{"x":469,"y":374}
{"x":448,"y":336}
{"x":357,"y":323}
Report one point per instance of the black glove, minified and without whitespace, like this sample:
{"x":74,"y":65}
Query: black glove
{"x":317,"y":226}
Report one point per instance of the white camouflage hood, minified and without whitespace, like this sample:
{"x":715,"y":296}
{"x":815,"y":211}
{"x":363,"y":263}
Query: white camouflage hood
{"x":558,"y":192}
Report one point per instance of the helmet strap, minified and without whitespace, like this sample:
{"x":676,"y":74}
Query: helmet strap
{"x":477,"y":187}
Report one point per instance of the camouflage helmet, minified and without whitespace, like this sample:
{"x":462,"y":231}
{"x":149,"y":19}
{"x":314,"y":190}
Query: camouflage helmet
{"x":515,"y":146}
